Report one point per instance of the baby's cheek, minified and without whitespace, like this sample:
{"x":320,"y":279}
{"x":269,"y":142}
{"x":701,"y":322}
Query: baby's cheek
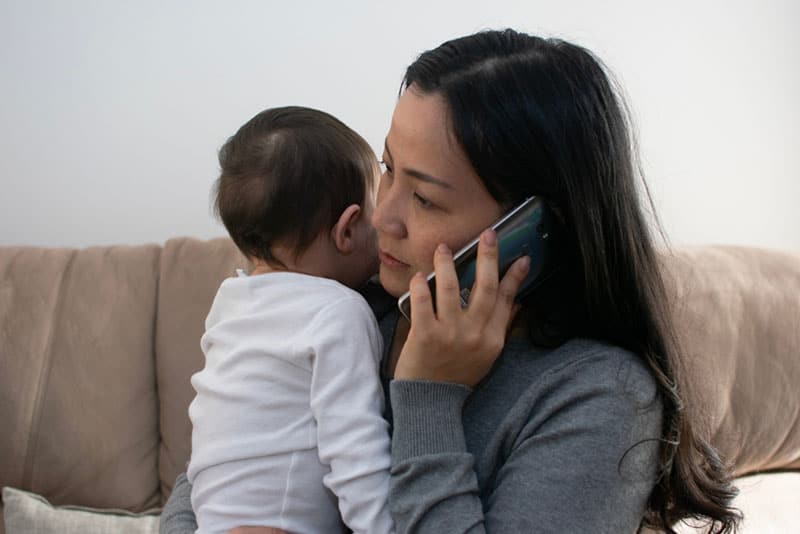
{"x":372,"y":245}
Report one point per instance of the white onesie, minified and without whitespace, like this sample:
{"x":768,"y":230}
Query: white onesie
{"x":287,"y":420}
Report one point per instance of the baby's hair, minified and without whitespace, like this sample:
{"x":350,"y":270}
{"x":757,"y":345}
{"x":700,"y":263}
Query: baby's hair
{"x":287,"y":175}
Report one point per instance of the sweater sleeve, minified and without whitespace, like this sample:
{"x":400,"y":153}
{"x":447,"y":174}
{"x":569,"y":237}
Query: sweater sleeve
{"x":581,"y":460}
{"x":177,"y":516}
{"x":347,"y":405}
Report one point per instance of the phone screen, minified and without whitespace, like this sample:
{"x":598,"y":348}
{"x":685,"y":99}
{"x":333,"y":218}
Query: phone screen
{"x":527,"y":230}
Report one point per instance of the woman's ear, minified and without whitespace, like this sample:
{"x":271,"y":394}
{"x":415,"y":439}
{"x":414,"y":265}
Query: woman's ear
{"x":343,"y":232}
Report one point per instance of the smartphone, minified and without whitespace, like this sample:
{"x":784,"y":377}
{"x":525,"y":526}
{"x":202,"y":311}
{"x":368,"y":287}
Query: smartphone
{"x":530,"y":229}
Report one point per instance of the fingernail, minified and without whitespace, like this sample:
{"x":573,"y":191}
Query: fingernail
{"x":490,"y":238}
{"x":443,"y":249}
{"x":524,"y":263}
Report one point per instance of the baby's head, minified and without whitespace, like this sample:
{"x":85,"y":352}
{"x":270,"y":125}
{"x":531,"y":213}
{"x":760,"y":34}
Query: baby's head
{"x":296,"y":191}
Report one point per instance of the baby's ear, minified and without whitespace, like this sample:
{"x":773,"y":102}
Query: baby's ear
{"x":343,"y":232}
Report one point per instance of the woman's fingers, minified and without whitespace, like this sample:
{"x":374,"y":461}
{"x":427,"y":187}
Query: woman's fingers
{"x":504,"y":305}
{"x":448,"y":299}
{"x":421,"y":302}
{"x":484,"y":292}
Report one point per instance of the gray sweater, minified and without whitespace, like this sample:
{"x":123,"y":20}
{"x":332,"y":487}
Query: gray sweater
{"x":552,"y":440}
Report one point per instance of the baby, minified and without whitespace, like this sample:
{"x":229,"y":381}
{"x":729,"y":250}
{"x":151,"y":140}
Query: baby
{"x":287,"y":421}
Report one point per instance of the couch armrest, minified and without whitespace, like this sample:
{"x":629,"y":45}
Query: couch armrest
{"x":737,"y":312}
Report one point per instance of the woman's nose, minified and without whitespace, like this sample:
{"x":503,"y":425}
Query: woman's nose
{"x":387,"y":218}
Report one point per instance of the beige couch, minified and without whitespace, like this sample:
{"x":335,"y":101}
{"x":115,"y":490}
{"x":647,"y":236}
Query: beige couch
{"x":97,"y":347}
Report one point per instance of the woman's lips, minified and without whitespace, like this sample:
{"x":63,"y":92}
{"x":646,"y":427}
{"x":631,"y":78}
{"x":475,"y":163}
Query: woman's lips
{"x":390,"y":261}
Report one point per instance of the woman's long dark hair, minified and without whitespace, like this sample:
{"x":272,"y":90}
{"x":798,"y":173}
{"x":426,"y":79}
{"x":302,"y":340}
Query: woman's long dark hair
{"x":541,"y":117}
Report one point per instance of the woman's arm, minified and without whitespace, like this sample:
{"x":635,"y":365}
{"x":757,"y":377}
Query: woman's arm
{"x":177,"y":516}
{"x":434,"y":487}
{"x":577,"y":452}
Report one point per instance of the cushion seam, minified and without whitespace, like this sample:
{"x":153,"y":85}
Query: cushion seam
{"x":44,"y":376}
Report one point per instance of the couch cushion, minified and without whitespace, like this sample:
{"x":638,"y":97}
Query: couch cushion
{"x":77,"y":387}
{"x":28,"y":513}
{"x":191,"y":272}
{"x":738,"y":318}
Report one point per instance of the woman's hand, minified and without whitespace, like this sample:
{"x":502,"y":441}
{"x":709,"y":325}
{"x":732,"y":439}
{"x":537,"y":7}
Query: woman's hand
{"x":454,"y":344}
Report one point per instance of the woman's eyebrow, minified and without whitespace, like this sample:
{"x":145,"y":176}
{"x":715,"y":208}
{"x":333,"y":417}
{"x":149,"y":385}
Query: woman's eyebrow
{"x":419,"y":175}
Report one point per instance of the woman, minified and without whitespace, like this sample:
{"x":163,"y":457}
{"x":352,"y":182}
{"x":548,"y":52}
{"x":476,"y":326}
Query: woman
{"x":563,"y":414}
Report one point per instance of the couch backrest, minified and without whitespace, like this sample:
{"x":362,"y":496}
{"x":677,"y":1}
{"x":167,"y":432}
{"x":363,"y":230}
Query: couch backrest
{"x":737,"y":314}
{"x":97,"y":347}
{"x":78,"y":403}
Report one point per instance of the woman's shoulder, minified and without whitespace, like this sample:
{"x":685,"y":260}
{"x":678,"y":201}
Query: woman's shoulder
{"x":584,"y":397}
{"x":577,"y":367}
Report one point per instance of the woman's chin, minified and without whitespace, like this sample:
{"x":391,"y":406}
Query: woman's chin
{"x":392,"y":283}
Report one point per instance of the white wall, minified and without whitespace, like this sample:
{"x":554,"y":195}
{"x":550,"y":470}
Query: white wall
{"x":111,"y":112}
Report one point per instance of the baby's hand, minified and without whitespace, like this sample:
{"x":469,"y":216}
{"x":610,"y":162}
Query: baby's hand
{"x":454,"y":344}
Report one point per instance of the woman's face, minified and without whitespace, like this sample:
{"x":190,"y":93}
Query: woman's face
{"x":428,"y":193}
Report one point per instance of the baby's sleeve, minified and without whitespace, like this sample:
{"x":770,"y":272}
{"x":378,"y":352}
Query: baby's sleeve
{"x":347,"y":404}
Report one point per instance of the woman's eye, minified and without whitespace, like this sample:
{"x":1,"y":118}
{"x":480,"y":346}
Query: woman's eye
{"x":422,"y":201}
